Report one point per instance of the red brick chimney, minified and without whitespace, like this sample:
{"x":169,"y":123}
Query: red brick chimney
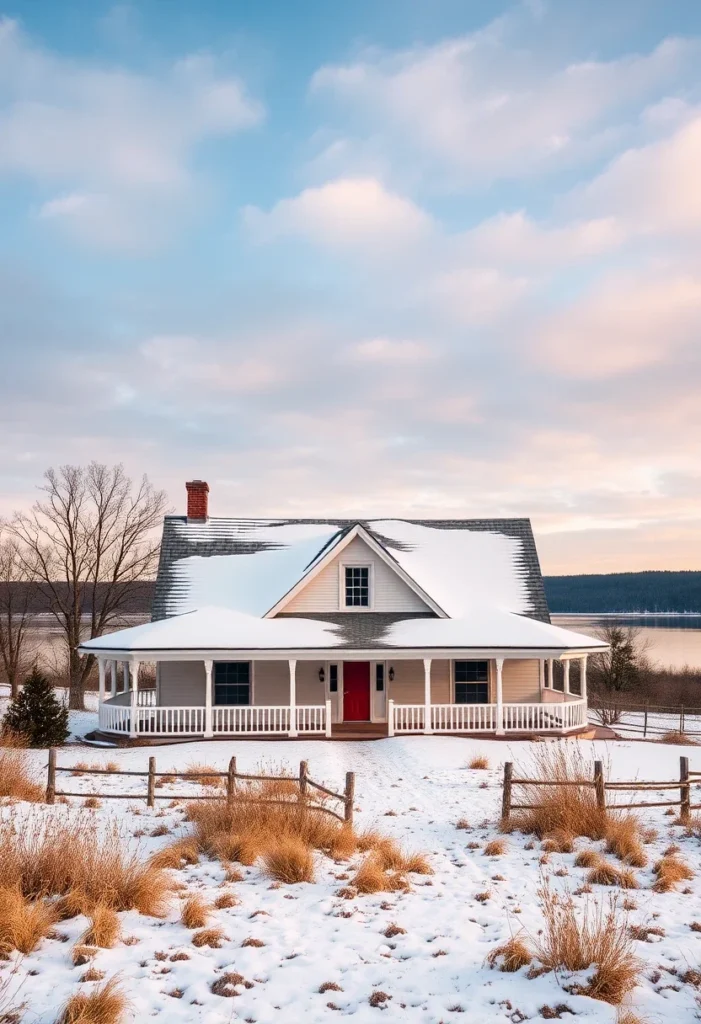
{"x":197,"y":500}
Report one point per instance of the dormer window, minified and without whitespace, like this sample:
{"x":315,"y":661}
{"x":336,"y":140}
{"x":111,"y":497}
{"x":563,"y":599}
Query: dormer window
{"x":357,"y":586}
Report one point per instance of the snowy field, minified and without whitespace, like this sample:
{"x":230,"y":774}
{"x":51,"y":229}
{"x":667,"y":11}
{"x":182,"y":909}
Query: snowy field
{"x":632,"y":724}
{"x":414,"y":789}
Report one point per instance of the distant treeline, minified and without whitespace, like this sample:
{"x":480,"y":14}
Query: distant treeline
{"x":625,"y":592}
{"x":135,"y":600}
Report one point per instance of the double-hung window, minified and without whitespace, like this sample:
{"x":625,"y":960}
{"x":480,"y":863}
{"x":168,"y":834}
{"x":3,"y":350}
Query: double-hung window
{"x":232,"y":682}
{"x":357,"y":586}
{"x":471,"y":682}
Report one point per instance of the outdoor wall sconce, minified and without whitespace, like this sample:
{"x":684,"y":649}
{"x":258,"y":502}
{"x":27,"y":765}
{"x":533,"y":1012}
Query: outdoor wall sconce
{"x":391,"y":673}
{"x":322,"y":674}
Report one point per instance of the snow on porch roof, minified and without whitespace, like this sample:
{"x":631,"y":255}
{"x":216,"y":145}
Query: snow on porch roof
{"x":250,"y":564}
{"x":212,"y":629}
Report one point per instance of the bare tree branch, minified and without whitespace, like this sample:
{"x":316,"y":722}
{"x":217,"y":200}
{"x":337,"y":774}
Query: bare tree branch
{"x":16,"y":616}
{"x":92,"y":536}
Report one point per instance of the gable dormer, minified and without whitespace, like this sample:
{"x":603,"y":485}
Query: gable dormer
{"x":356,"y":579}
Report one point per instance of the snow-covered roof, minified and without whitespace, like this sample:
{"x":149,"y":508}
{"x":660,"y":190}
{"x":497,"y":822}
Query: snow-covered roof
{"x":221,"y":629}
{"x":250,"y":564}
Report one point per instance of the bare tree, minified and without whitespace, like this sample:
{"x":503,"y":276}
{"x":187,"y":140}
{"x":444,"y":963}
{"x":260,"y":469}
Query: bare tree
{"x":16,"y":612}
{"x":87,"y":543}
{"x":616,"y":671}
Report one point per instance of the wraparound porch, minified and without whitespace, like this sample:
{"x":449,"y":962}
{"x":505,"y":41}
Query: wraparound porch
{"x":521,"y":693}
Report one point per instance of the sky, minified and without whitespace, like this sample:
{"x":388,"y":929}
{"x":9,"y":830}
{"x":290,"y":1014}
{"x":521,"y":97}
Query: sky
{"x":432,"y":258}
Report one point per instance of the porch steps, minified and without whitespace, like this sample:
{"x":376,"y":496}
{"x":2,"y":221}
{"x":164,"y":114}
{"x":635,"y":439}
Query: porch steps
{"x":359,"y":730}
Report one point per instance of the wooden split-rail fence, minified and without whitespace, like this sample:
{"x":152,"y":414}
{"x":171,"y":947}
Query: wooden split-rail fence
{"x":306,"y":787}
{"x":601,"y":787}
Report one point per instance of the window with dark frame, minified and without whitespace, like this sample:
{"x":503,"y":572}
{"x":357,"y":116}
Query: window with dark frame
{"x":357,"y":586}
{"x":333,"y":678}
{"x":379,"y":677}
{"x":232,"y":682}
{"x":471,"y":682}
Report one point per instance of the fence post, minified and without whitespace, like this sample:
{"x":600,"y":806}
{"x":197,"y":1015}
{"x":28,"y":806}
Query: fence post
{"x":151,"y":791}
{"x":349,"y":797}
{"x":685,"y":790}
{"x":506,"y":794}
{"x":599,"y":785}
{"x":303,"y":773}
{"x":51,"y":778}
{"x":647,"y":702}
{"x":682,"y":723}
{"x":231,"y":781}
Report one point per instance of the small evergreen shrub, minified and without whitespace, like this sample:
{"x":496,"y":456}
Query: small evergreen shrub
{"x":37,"y":714}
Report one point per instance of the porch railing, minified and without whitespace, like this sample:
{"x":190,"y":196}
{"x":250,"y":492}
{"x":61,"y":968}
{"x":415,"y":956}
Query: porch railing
{"x":227,"y":720}
{"x":459,"y":718}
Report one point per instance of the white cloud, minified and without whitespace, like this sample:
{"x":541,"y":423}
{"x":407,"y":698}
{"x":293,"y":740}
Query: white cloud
{"x":492,"y":104}
{"x":125,"y":140}
{"x":390,"y":351}
{"x":349,"y":212}
{"x":626,"y":324}
{"x":653,"y":188}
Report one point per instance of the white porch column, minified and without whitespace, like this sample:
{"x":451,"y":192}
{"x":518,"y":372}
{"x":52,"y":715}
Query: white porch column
{"x":126,"y":686}
{"x":208,"y":732}
{"x":541,"y":677}
{"x":133,"y":671}
{"x":427,"y":696}
{"x":500,"y":697}
{"x":583,"y":676}
{"x":293,"y":698}
{"x":551,"y":674}
{"x":566,"y":675}
{"x":113,"y":678}
{"x":101,"y":681}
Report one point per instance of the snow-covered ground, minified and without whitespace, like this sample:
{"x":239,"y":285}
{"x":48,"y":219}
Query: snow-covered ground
{"x":414,"y":789}
{"x":632,"y":724}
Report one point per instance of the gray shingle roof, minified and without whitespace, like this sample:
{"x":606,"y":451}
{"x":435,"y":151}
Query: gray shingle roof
{"x":231,"y":536}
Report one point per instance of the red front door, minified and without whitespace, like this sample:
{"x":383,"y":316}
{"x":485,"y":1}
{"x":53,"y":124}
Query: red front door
{"x":356,"y":691}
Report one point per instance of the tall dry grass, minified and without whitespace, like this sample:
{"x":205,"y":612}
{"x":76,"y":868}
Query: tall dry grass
{"x":18,"y":780}
{"x":244,"y":830}
{"x":570,"y":808}
{"x":24,"y":922}
{"x":105,"y":1004}
{"x":598,"y":936}
{"x":52,"y":856}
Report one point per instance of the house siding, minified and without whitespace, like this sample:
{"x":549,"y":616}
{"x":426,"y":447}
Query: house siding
{"x":182,"y":683}
{"x":389,"y":592}
{"x":521,"y":681}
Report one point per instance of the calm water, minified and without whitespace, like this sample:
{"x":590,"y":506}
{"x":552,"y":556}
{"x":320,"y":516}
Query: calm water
{"x":673,"y":640}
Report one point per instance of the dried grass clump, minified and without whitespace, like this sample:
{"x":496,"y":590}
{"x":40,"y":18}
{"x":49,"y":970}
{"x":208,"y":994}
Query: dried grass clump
{"x":372,"y":877}
{"x":51,"y":856}
{"x":605,"y":873}
{"x":678,"y":739}
{"x":226,"y":900}
{"x":587,"y":859}
{"x":176,"y":855}
{"x":17,"y":778}
{"x":212,"y":937}
{"x":104,"y":1005}
{"x":292,"y":860}
{"x":23,"y":922}
{"x":560,"y":840}
{"x":391,"y":857}
{"x":571,"y":808}
{"x":244,"y":830}
{"x":511,"y":956}
{"x":195,"y":912}
{"x":480,"y":762}
{"x":670,"y":870}
{"x":462,"y":823}
{"x":205,"y":775}
{"x":104,"y":928}
{"x":495,"y":848}
{"x":598,"y":937}
{"x":623,"y":838}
